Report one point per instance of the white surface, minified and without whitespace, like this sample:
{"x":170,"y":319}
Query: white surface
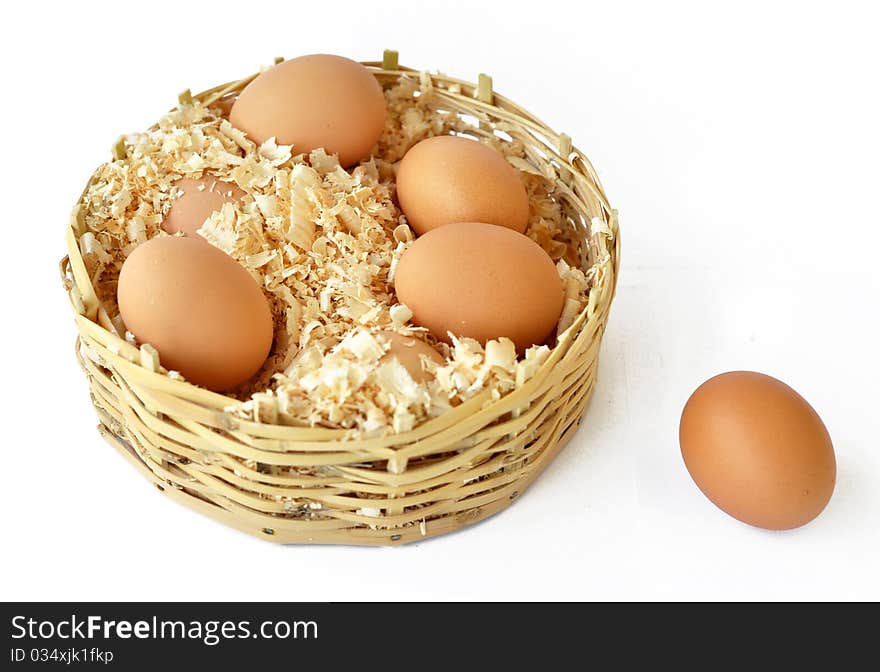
{"x":741,"y":149}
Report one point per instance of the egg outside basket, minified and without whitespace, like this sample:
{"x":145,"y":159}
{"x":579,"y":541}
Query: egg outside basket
{"x":448,"y":472}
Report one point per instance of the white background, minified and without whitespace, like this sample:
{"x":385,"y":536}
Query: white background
{"x":741,"y":147}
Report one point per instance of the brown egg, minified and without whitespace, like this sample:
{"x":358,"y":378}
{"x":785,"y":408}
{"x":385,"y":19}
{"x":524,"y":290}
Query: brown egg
{"x":480,"y":281}
{"x":198,"y":307}
{"x":409,"y":351}
{"x":758,"y":450}
{"x":314,"y":101}
{"x":199,"y":199}
{"x":451,"y":179}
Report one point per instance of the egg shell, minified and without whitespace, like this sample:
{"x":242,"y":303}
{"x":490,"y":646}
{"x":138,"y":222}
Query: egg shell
{"x":201,"y":310}
{"x":314,"y":101}
{"x":448,"y":179}
{"x":409,"y":352}
{"x":758,"y":450}
{"x":481,"y":281}
{"x":199,"y":199}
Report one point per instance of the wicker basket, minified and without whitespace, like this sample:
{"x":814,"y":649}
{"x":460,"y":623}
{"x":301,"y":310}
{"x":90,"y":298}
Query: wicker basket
{"x":451,"y":471}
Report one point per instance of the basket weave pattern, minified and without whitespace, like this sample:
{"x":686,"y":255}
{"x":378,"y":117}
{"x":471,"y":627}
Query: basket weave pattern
{"x":315,"y":485}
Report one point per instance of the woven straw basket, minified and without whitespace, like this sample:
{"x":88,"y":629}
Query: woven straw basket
{"x":451,"y":471}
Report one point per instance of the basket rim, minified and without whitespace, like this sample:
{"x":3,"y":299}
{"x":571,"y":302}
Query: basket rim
{"x":143,"y":363}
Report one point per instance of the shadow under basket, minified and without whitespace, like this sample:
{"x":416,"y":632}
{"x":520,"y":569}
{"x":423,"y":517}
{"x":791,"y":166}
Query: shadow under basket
{"x":314,"y":485}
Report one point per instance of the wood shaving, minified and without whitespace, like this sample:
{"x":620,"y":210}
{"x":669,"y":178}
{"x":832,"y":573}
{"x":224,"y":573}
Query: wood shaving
{"x":322,"y":243}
